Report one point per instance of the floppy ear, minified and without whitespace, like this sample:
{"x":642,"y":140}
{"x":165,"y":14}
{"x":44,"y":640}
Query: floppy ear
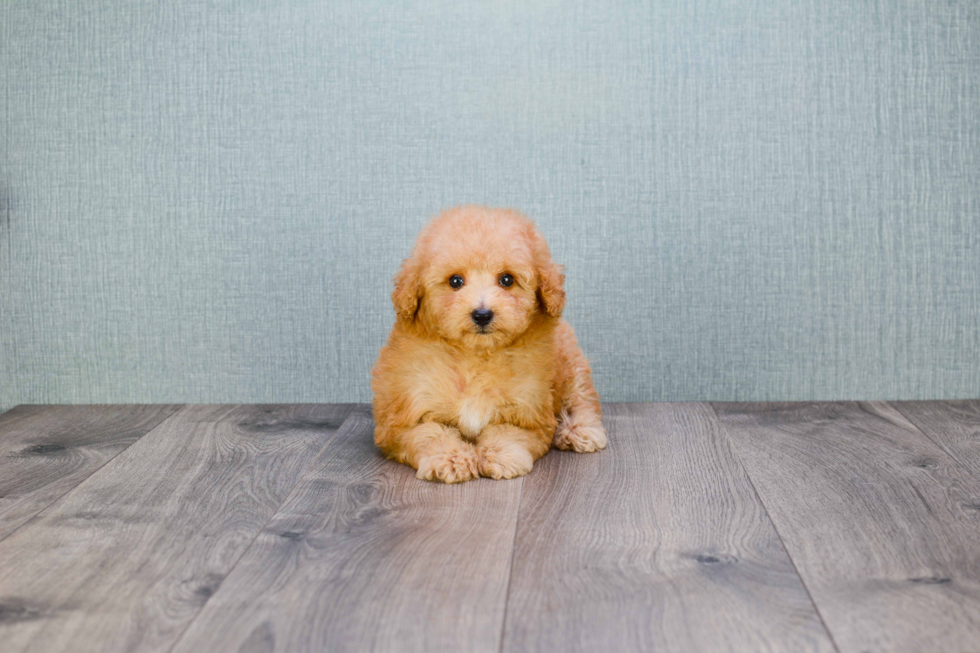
{"x":551,"y":280}
{"x":408,"y":290}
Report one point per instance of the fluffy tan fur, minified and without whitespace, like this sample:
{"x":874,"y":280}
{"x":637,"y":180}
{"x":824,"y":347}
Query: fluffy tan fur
{"x":456,"y":402}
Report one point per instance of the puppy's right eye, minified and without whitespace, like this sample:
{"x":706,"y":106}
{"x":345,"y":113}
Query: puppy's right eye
{"x":456,"y":282}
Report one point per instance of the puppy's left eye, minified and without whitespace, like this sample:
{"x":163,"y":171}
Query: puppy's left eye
{"x":506,"y":280}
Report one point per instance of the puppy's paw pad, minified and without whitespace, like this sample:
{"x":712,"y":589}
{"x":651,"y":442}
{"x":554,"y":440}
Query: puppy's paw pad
{"x":449,"y":467}
{"x":505,"y":463}
{"x":580,"y":438}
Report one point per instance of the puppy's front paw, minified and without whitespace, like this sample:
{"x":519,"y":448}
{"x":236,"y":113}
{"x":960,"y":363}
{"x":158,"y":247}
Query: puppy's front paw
{"x":449,"y":466}
{"x":511,"y":461}
{"x":580,"y":438}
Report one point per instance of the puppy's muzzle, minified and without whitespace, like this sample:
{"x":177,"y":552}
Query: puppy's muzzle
{"x":482,"y":316}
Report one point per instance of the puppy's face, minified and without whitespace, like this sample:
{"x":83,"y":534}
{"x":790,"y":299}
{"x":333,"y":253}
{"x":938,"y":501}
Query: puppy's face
{"x":478,"y":277}
{"x":480,"y":300}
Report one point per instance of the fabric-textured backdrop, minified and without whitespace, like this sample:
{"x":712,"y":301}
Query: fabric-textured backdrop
{"x":205,"y":201}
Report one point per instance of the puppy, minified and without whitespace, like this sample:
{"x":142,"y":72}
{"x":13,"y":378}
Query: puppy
{"x":480,"y":375}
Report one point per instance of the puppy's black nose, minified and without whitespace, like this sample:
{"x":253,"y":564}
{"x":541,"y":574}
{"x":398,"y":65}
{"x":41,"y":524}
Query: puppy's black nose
{"x":482,"y":316}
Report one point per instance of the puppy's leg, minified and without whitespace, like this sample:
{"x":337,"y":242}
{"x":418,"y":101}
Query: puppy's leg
{"x":438,"y":452}
{"x":508,"y":451}
{"x":580,"y":429}
{"x":580,"y":421}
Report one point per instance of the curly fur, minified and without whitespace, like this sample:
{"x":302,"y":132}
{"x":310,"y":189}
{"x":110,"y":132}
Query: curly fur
{"x":456,"y":403}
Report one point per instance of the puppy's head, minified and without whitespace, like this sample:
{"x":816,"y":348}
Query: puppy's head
{"x":478,"y":277}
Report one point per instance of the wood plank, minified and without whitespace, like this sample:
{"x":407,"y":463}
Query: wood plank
{"x":876,"y":518}
{"x":125,"y":560}
{"x":45,"y":451}
{"x":365,"y":557}
{"x":657,"y":543}
{"x":953,"y":425}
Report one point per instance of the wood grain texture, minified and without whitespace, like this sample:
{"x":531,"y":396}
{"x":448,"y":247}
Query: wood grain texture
{"x":125,"y":560}
{"x":365,"y":557}
{"x":657,"y":543}
{"x":953,"y":425}
{"x":881,"y":523}
{"x":45,"y":451}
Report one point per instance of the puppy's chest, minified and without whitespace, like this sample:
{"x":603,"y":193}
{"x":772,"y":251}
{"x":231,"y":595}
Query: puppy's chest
{"x":473,"y":413}
{"x":480,"y":395}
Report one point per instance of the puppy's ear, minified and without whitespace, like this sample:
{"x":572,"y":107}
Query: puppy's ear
{"x":408,"y":289}
{"x":551,"y":280}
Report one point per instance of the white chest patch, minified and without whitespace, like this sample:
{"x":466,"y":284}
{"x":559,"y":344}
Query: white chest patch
{"x":474,"y":415}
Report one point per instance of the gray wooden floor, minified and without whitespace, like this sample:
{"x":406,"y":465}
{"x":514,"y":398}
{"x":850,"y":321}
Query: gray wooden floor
{"x":846,"y":527}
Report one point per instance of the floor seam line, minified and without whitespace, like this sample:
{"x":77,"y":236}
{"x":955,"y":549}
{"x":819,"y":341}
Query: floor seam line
{"x":782,"y":542}
{"x":510,"y":567}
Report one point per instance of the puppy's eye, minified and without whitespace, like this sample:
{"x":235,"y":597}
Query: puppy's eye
{"x":506,"y":280}
{"x":456,"y":282}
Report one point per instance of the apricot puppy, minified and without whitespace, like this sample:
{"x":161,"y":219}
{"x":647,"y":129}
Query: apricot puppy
{"x":480,"y":375}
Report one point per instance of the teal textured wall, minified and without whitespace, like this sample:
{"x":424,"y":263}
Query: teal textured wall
{"x":205,"y":201}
